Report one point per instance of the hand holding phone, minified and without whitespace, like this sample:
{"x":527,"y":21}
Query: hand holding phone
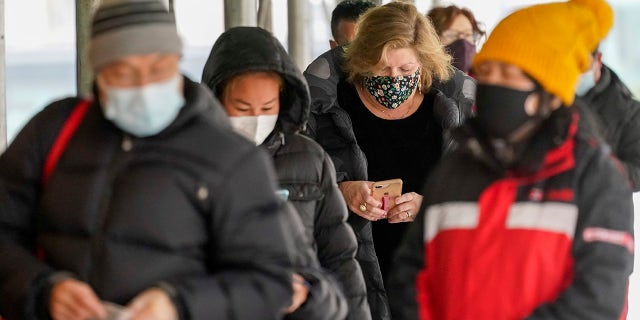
{"x":386,"y":191}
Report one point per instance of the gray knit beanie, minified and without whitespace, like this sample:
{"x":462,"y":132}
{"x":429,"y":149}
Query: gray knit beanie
{"x":123,"y":28}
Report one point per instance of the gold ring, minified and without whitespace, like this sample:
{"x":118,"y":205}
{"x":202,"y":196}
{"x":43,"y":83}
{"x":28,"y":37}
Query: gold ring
{"x":363,"y":207}
{"x":408,"y":214}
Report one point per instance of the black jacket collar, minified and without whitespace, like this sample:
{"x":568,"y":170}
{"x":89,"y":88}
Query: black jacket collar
{"x":553,"y":132}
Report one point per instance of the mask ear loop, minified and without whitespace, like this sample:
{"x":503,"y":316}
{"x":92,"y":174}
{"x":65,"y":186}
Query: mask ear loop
{"x":508,"y":150}
{"x":517,"y":141}
{"x":101,"y":91}
{"x":543,"y":111}
{"x":544,"y":103}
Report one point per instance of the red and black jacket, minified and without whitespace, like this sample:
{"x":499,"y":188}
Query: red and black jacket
{"x":550,"y":240}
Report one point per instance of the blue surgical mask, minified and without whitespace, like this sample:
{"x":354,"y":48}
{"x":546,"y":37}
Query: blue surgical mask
{"x":585,"y":83}
{"x":147,"y":110}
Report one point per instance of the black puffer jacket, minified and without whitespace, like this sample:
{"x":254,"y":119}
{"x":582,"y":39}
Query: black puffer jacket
{"x":303,"y":167}
{"x":331,"y":127}
{"x":124,"y":214}
{"x":619,"y":117}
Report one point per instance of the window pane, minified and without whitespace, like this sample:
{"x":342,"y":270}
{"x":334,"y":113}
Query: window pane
{"x":40,"y":61}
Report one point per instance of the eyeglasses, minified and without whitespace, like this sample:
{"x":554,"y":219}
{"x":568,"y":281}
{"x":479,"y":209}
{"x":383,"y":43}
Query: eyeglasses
{"x":453,"y":35}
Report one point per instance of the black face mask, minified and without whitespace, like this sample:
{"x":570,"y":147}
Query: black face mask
{"x":500,"y":110}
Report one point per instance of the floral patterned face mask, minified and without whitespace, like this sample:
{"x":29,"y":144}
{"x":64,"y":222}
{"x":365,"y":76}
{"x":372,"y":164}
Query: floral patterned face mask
{"x":391,"y":92}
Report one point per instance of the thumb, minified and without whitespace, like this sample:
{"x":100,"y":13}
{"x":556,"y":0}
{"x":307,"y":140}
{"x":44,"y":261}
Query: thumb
{"x":404,"y":198}
{"x":137,"y":304}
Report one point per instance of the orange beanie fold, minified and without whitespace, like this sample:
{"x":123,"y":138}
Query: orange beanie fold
{"x":550,"y":42}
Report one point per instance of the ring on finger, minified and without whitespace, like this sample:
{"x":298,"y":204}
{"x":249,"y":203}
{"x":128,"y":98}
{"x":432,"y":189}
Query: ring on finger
{"x":408,"y":214}
{"x":363,"y":207}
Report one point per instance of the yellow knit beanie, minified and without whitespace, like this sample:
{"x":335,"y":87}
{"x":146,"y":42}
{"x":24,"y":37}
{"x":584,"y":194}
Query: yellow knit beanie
{"x":550,"y":42}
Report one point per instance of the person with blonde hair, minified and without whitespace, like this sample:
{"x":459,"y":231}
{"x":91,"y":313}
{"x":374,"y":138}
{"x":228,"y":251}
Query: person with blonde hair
{"x":384,"y":120}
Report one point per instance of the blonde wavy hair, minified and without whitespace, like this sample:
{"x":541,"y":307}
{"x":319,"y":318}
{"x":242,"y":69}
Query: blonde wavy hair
{"x":396,"y":25}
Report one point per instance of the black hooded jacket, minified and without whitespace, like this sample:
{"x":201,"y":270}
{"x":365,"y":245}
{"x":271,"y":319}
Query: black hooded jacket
{"x":618,"y":115}
{"x":124,"y":214}
{"x":303,"y":167}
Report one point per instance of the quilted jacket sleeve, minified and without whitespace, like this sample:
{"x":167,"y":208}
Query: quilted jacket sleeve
{"x":325,"y":300}
{"x":22,"y":275}
{"x":629,"y":146}
{"x":250,"y":246}
{"x":408,"y":262}
{"x":602,"y":248}
{"x":337,"y":244}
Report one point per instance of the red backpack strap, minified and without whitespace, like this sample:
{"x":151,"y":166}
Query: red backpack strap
{"x":66,"y":132}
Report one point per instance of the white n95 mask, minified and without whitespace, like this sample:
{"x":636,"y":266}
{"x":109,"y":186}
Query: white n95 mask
{"x":254,"y":128}
{"x":585,"y":83}
{"x":147,"y":110}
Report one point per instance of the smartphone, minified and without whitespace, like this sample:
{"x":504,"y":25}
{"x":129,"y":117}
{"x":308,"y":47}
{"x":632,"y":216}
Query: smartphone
{"x":283,"y":194}
{"x":115,"y":311}
{"x":386,"y":191}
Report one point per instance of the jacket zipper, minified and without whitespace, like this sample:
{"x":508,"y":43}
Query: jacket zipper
{"x":98,"y":241}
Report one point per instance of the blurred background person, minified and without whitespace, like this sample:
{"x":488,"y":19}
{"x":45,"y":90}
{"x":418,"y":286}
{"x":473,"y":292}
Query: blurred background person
{"x":343,"y":20}
{"x":267,"y":101}
{"x":459,"y":32}
{"x":616,"y":111}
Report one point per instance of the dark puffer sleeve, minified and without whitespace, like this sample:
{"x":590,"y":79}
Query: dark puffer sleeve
{"x":629,"y":147}
{"x":329,"y":124}
{"x":617,"y":116}
{"x":408,"y":261}
{"x":250,"y":246}
{"x":323,"y":76}
{"x":366,"y":256}
{"x":602,"y":247}
{"x":325,"y":300}
{"x":461,"y":91}
{"x":22,"y":276}
{"x":337,"y":244}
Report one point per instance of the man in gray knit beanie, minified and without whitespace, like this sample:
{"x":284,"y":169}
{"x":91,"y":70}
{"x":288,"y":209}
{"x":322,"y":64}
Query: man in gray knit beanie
{"x":140,"y":202}
{"x":134,"y":52}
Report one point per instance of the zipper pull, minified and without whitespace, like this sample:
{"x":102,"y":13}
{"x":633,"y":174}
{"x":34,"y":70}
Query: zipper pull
{"x":127,"y":143}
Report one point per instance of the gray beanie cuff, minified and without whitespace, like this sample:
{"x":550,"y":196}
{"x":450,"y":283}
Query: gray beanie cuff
{"x":123,"y":28}
{"x":111,"y":46}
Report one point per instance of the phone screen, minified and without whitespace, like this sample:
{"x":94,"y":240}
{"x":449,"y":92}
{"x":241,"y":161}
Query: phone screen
{"x":283,"y":194}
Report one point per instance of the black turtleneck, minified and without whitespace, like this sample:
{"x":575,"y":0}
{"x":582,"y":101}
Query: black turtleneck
{"x":406,"y":148}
